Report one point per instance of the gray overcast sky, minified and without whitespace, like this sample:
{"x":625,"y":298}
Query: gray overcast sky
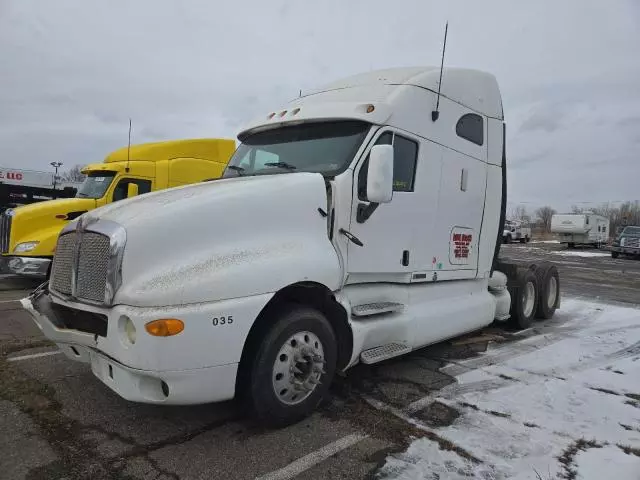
{"x":72,"y":72}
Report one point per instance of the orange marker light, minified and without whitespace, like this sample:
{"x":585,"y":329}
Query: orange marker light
{"x":164,"y":327}
{"x":370,"y":108}
{"x":283,"y":113}
{"x":271,"y":115}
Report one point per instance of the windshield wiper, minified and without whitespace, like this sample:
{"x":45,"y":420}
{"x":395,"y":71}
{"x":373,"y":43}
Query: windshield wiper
{"x":286,"y":165}
{"x":236,"y":168}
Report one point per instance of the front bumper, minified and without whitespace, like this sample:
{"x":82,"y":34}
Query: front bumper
{"x":28,"y":266}
{"x":626,"y":250}
{"x":173,"y":387}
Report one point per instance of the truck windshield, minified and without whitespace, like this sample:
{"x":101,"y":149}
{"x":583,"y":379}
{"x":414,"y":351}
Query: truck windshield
{"x":95,"y":185}
{"x":631,"y":231}
{"x":326,"y":148}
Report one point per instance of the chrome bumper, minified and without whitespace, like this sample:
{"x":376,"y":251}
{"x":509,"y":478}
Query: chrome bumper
{"x":28,"y":266}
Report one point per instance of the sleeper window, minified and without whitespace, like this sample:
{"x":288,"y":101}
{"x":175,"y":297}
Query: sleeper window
{"x":470,"y":127}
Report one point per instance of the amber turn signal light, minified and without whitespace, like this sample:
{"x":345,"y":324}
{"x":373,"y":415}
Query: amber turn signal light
{"x":165,"y":327}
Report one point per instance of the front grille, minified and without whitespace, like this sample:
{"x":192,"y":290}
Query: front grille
{"x":633,"y":242}
{"x":63,"y":263}
{"x":5,"y":232}
{"x":92,"y":266}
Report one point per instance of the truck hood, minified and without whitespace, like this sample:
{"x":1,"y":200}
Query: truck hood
{"x":51,"y":208}
{"x":29,"y":221}
{"x":224,"y":239}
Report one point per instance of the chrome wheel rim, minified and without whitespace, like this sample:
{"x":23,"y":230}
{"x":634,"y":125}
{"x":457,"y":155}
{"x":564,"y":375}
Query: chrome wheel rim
{"x":528,"y":299}
{"x":298,"y":367}
{"x":553,"y":292}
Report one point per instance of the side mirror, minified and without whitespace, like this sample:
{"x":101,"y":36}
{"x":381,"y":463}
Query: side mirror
{"x":132,"y":190}
{"x":380,"y":174}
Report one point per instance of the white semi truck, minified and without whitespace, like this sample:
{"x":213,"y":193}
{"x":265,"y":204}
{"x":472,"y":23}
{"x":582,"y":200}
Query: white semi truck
{"x":355,"y":224}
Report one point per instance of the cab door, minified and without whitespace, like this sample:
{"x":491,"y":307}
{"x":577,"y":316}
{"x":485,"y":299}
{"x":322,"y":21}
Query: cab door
{"x":385,"y":230}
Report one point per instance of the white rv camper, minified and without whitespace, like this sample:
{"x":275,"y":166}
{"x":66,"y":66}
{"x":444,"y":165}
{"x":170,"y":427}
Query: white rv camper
{"x":581,"y":229}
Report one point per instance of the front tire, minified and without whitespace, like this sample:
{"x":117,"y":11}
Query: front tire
{"x":293,"y":366}
{"x":615,"y":254}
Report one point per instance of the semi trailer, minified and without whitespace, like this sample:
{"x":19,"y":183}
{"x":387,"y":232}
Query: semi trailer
{"x":357,"y":223}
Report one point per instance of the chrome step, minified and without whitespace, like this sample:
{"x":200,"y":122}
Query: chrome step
{"x":368,"y":309}
{"x":384,"y":352}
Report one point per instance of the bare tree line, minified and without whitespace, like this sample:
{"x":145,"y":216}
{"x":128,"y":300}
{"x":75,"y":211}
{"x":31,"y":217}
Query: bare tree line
{"x":74,"y":174}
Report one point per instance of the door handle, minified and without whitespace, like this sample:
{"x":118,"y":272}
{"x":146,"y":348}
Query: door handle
{"x":351,"y":237}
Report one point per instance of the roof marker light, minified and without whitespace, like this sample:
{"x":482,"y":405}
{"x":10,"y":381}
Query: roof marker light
{"x":295,"y":111}
{"x":283,"y":113}
{"x":271,"y":115}
{"x":370,"y":108}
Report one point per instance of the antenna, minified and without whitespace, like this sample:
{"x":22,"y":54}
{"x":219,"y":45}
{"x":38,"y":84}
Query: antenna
{"x":435,"y":114}
{"x":300,"y":93}
{"x":128,"y":148}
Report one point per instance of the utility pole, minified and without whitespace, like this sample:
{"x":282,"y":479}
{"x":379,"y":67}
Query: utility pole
{"x":55,"y":165}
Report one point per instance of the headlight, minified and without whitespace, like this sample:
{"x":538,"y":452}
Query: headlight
{"x":130,"y":330}
{"x":25,"y":247}
{"x":127,"y":330}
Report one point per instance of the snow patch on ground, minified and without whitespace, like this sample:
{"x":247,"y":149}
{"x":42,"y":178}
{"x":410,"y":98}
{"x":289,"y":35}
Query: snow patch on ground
{"x":520,"y":415}
{"x":606,"y":462}
{"x":545,"y":241}
{"x":578,"y":253}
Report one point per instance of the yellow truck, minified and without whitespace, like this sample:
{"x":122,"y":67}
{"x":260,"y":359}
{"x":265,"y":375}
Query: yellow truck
{"x":28,"y":233}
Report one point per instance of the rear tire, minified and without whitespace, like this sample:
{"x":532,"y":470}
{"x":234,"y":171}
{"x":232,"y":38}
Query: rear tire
{"x":524,"y":298}
{"x":615,"y":254}
{"x":298,"y":351}
{"x":507,"y":239}
{"x":527,"y":239}
{"x":523,"y":240}
{"x":548,"y":291}
{"x":571,"y":245}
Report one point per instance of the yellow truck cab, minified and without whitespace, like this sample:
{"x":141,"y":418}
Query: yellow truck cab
{"x":28,"y":233}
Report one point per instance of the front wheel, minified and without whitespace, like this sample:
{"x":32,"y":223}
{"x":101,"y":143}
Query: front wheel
{"x":293,"y":366}
{"x":615,"y":254}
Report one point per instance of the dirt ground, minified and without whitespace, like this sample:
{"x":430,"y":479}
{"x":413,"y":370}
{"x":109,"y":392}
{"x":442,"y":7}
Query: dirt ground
{"x":58,"y":422}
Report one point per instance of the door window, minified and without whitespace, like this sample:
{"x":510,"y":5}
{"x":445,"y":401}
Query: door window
{"x":120,"y":192}
{"x":405,"y":158}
